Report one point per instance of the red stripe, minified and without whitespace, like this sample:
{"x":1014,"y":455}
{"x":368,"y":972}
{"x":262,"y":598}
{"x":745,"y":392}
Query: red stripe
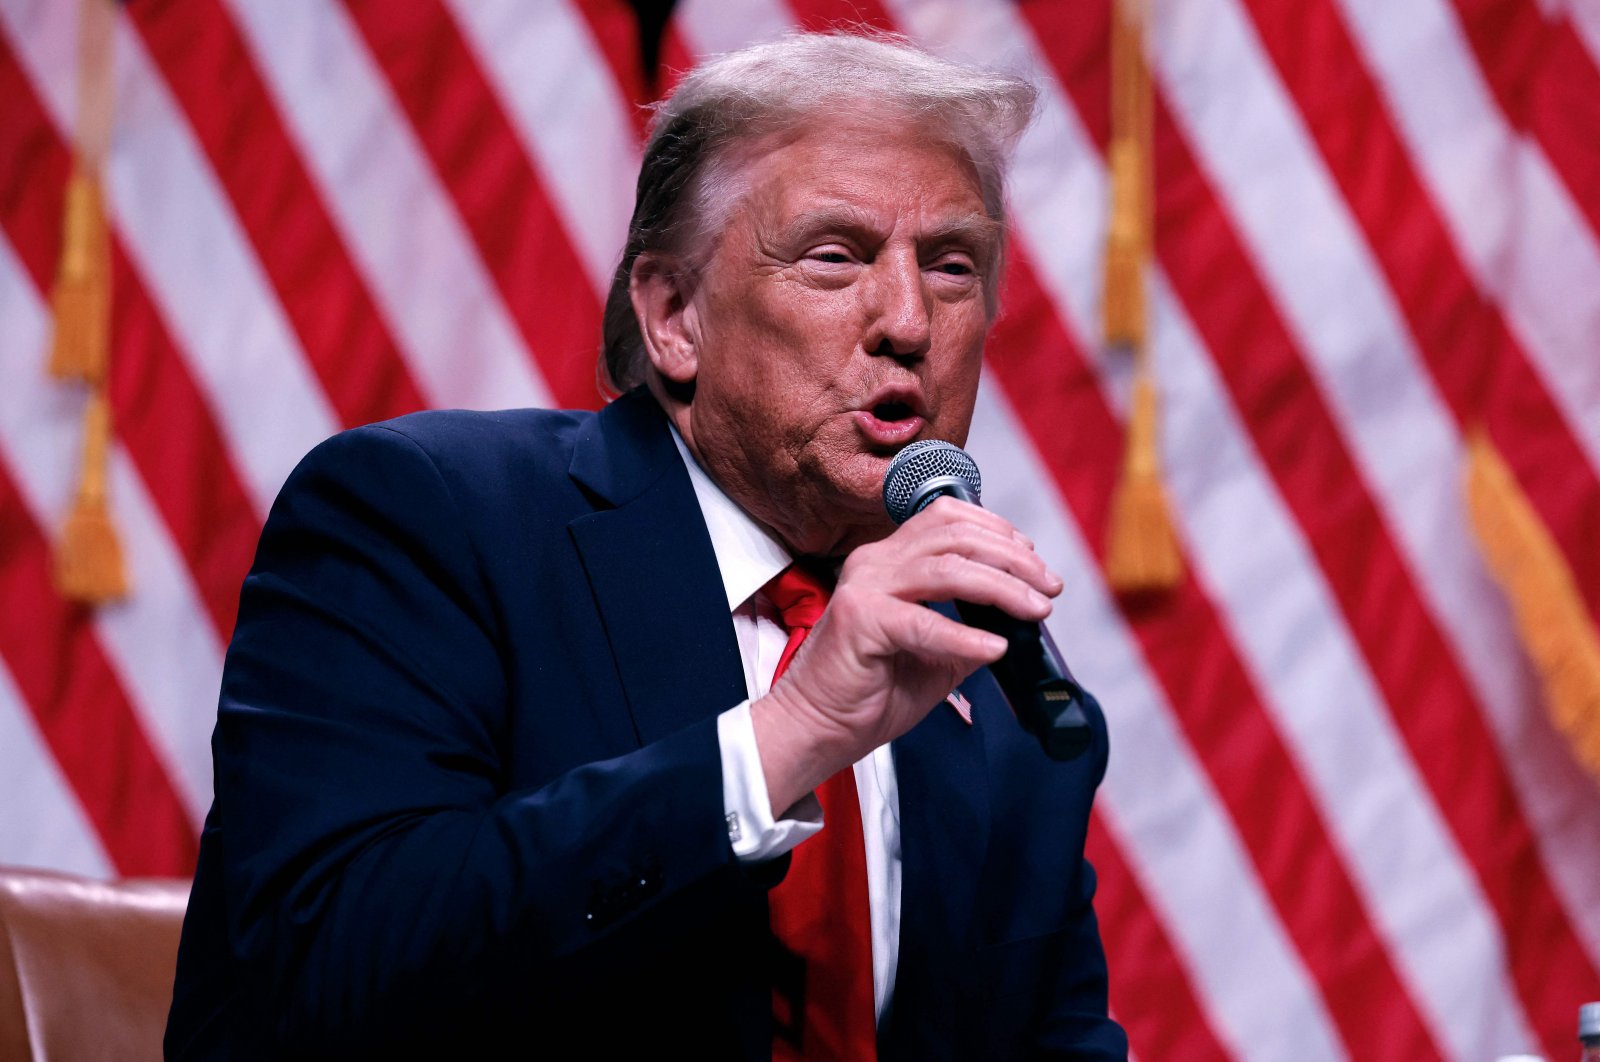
{"x":163,"y":422}
{"x":159,"y":414}
{"x":1434,"y":708}
{"x":518,"y":232}
{"x":85,"y":717}
{"x":1224,"y":717}
{"x":614,"y":25}
{"x":816,"y":16}
{"x":1466,"y":344}
{"x":1214,"y":700}
{"x":1481,"y":370}
{"x":615,"y":28}
{"x":214,"y":78}
{"x":1144,"y":967}
{"x":676,"y":59}
{"x":1483,"y":375}
{"x":1547,"y":86}
{"x":34,"y":160}
{"x":33,"y":181}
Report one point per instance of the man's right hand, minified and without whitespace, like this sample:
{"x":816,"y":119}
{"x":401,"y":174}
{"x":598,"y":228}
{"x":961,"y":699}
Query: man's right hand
{"x":879,"y":659}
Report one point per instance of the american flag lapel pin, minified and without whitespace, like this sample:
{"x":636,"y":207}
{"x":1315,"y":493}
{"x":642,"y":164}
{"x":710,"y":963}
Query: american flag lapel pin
{"x":963,"y":707}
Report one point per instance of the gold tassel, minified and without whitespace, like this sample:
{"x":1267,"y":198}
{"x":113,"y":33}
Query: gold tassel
{"x":1125,"y":252}
{"x":1128,"y":233}
{"x":80,"y":301}
{"x":88,"y":561}
{"x":1142,"y":550}
{"x":1550,"y":617}
{"x":89,"y":566}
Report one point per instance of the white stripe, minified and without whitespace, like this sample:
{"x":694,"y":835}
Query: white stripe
{"x":1585,"y":16}
{"x":711,"y":27}
{"x":160,"y":643}
{"x":1524,"y":240}
{"x":1416,"y":886}
{"x":44,"y":825}
{"x":394,"y":218}
{"x":574,"y":123}
{"x":191,"y":254}
{"x":1401,"y":856}
{"x":1291,"y":217}
{"x":1175,"y":832}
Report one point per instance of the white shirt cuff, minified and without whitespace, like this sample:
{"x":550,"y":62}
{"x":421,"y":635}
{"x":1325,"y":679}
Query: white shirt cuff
{"x":756,"y":836}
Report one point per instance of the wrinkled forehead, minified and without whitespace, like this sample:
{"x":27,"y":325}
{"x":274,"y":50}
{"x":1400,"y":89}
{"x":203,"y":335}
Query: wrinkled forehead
{"x":856,"y":170}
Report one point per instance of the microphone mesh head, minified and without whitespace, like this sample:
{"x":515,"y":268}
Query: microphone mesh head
{"x":917,"y":468}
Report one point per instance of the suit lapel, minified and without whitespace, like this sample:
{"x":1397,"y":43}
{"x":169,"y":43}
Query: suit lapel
{"x":653,"y":572}
{"x":942,"y":775}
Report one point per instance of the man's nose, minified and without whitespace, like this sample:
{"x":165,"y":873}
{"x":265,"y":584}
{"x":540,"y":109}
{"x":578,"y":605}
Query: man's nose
{"x":902,"y":308}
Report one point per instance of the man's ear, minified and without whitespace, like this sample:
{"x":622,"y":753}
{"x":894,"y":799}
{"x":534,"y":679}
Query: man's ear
{"x":668,"y":321}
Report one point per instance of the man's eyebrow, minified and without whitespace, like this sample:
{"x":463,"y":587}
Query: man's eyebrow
{"x":841,"y":218}
{"x":978,"y":232}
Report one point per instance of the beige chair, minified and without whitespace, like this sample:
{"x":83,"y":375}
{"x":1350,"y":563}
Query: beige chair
{"x":85,"y":966}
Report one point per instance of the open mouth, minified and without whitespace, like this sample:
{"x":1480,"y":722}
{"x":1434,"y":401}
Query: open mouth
{"x":890,"y":422}
{"x":893,"y":411}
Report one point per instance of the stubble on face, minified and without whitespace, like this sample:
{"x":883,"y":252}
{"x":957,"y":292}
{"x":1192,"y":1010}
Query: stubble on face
{"x":840,"y":316}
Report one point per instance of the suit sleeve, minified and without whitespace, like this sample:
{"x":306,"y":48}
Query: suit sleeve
{"x":374,"y":866}
{"x":1077,"y":1023}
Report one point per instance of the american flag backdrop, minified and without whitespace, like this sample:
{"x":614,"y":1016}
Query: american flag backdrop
{"x":1339,"y":820}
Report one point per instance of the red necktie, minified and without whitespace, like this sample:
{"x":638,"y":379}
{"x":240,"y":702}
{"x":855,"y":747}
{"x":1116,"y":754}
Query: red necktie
{"x":822,"y":1004}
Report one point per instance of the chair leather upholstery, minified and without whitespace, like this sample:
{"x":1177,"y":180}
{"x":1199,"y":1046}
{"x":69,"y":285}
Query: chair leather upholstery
{"x":86,"y":967}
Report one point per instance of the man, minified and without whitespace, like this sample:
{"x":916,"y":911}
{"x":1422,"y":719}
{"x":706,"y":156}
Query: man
{"x":501,"y":764}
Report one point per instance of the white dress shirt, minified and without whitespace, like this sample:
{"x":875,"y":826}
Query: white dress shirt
{"x":748,"y":557}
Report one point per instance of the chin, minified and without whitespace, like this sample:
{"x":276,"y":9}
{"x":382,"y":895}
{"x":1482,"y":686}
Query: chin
{"x":848,"y":515}
{"x":862,"y":485}
{"x":864,"y":518}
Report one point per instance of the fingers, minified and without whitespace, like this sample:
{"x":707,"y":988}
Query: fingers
{"x":961,"y":527}
{"x":954,"y":550}
{"x":937,"y":636}
{"x":945,"y":577}
{"x":948,"y":508}
{"x":987,"y":548}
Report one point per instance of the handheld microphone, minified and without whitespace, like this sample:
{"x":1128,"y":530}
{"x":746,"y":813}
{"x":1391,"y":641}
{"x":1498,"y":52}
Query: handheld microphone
{"x":1044,"y":696}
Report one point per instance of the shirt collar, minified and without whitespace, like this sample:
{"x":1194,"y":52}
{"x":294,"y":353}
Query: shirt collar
{"x":748,"y":556}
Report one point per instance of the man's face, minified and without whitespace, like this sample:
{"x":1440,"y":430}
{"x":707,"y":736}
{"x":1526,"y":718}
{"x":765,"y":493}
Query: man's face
{"x":840,"y":317}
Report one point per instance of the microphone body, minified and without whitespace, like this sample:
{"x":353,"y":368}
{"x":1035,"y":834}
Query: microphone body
{"x":1045,"y":698}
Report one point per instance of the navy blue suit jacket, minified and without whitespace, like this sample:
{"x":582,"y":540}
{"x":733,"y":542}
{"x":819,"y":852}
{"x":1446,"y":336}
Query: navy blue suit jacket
{"x":468,"y":788}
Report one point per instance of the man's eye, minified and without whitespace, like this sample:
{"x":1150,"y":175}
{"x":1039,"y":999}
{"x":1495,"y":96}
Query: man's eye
{"x":831,"y":257}
{"x":955,"y":267}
